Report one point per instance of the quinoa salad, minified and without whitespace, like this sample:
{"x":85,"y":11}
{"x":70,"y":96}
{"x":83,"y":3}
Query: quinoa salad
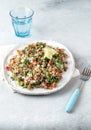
{"x":38,"y":65}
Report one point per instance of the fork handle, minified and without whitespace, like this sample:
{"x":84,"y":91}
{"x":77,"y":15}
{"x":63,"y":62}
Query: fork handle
{"x":73,"y":100}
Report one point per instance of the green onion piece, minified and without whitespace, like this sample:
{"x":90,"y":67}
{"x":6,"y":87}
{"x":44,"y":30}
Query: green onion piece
{"x":56,"y":78}
{"x":55,"y":55}
{"x":24,"y":73}
{"x":46,"y":59}
{"x":60,"y":61}
{"x":31,"y":55}
{"x":26,"y":62}
{"x":12,"y":77}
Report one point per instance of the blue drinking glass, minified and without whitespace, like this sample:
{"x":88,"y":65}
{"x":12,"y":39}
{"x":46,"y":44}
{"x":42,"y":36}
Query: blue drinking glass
{"x":21,"y":21}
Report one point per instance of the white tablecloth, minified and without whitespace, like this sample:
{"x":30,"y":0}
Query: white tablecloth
{"x":65,"y":21}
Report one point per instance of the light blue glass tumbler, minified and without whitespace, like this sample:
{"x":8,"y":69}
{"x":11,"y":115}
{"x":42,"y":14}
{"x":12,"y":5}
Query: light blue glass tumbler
{"x":22,"y":20}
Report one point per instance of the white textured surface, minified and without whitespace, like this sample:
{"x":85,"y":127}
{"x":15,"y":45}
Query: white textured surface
{"x":66,"y":21}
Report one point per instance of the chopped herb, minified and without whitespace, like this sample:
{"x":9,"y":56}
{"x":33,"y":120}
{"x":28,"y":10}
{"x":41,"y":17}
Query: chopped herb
{"x":26,"y":62}
{"x":24,"y":73}
{"x":12,"y":77}
{"x":46,"y":59}
{"x":59,"y":61}
{"x":56,"y":78}
{"x":30,"y":71}
{"x":55,"y":55}
{"x":58,"y":65}
{"x":31,"y":55}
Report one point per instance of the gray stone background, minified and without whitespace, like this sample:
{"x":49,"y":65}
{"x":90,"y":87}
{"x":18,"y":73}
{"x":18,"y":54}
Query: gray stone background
{"x":65,"y":21}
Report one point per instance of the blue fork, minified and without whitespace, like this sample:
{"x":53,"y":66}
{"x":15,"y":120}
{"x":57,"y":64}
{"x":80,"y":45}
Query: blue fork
{"x":85,"y":75}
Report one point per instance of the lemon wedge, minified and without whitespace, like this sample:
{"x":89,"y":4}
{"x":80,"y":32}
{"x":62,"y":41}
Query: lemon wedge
{"x":49,"y":52}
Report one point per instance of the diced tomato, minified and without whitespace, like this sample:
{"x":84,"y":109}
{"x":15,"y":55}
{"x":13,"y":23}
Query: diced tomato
{"x":50,"y":62}
{"x":49,"y":87}
{"x":15,"y":56}
{"x":30,"y":87}
{"x":40,"y":50}
{"x":53,"y":85}
{"x":60,"y":76}
{"x":44,"y":85}
{"x":19,"y":52}
{"x":60,"y":71}
{"x":61,"y":51}
{"x":32,"y":60}
{"x":40,"y":62}
{"x":53,"y":70}
{"x":30,"y":66}
{"x":39,"y":72}
{"x":33,"y":46}
{"x":8,"y":68}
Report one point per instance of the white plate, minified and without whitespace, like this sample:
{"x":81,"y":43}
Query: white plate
{"x":40,"y":91}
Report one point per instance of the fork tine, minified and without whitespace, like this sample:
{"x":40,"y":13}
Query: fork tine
{"x":89,"y":72}
{"x":84,"y":71}
{"x":87,"y":76}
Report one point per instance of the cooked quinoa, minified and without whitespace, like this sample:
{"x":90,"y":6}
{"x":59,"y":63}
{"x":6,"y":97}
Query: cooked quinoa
{"x":38,"y":65}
